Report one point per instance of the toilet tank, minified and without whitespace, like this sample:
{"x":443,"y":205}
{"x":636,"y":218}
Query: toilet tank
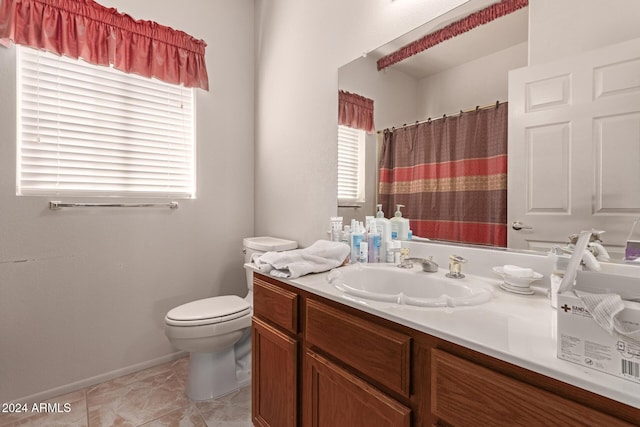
{"x":263,"y":244}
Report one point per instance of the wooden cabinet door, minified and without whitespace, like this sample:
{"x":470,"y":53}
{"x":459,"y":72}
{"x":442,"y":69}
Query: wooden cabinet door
{"x":334,"y":397}
{"x":274,"y":380}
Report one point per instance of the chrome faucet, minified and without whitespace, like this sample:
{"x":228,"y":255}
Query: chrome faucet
{"x":428,"y":265}
{"x":455,"y":267}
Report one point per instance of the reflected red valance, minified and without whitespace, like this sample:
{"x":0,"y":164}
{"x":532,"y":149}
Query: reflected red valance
{"x":355,"y":111}
{"x":463,"y":25}
{"x":102,"y":36}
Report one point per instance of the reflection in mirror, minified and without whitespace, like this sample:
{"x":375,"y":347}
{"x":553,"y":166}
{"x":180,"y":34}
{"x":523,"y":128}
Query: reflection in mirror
{"x":463,"y":72}
{"x":473,"y":69}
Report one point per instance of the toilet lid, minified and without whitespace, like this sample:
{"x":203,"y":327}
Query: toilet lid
{"x":210,"y":310}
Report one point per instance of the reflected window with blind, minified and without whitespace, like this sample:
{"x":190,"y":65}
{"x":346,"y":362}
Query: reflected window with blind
{"x":355,"y":119}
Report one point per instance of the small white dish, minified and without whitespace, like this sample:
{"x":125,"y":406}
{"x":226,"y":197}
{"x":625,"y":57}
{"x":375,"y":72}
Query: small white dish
{"x":518,"y":282}
{"x":516,"y":289}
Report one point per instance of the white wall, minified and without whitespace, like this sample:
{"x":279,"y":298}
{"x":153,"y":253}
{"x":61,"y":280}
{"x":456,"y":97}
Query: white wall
{"x":301,"y":45}
{"x":480,"y":82}
{"x":563,"y":28}
{"x":83,"y":293}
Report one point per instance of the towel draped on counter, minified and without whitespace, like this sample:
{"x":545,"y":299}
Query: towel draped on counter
{"x":605,"y":309}
{"x":321,"y":256}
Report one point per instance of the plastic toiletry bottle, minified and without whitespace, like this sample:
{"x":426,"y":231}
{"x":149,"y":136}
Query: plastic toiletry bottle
{"x":336,"y":228}
{"x":383,"y":227}
{"x":356,"y":240}
{"x":397,"y":252}
{"x":364,"y":253}
{"x":345,"y":236}
{"x":373,"y":243}
{"x":389,"y":252}
{"x":399,"y":225}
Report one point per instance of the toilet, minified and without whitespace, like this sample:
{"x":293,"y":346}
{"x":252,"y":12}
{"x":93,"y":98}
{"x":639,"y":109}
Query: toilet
{"x":216,"y":332}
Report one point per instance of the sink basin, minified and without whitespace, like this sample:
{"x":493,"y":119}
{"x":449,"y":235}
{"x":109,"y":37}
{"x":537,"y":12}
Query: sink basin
{"x":388,"y":283}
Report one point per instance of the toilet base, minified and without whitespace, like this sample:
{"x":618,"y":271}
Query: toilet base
{"x":212,"y":375}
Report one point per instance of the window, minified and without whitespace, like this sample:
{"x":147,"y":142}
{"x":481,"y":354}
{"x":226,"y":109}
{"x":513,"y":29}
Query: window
{"x":350,"y":166}
{"x":87,"y":130}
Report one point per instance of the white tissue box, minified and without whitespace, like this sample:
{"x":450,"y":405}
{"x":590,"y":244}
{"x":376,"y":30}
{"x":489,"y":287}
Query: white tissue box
{"x":581,"y":340}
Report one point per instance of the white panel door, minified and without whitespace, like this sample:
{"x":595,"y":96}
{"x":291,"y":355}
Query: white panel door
{"x":574,"y":148}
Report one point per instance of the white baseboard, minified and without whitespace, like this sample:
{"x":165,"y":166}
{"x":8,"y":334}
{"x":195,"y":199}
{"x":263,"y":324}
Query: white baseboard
{"x":88,"y":382}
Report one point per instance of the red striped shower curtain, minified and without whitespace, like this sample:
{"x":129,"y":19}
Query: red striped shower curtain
{"x":451,"y":175}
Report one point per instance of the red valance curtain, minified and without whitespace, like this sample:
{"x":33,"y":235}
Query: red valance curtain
{"x":463,"y":25}
{"x":451,"y":175}
{"x":355,"y":111}
{"x":102,"y":36}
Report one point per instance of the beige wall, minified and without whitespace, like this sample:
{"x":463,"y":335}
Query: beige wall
{"x":83,"y":293}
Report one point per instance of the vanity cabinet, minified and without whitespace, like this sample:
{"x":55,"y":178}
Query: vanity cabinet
{"x":320,"y":363}
{"x":274,"y":360}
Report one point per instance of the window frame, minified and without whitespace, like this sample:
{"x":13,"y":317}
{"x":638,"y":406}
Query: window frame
{"x":354,"y":144}
{"x":138,"y":176}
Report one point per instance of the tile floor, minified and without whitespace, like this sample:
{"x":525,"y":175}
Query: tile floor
{"x":153,"y":397}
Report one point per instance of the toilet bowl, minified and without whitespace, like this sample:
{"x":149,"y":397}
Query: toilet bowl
{"x":216,"y":333}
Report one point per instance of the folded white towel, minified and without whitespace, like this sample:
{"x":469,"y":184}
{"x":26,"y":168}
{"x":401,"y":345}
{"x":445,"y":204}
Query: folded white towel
{"x":321,"y":256}
{"x":605,"y":309}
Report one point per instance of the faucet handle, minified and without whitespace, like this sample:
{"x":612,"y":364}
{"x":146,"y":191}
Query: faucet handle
{"x":405,"y":261}
{"x":455,"y":267}
{"x":457,"y":258}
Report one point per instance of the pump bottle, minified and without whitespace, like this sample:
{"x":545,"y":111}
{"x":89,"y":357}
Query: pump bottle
{"x":383,"y":227}
{"x":399,"y":225}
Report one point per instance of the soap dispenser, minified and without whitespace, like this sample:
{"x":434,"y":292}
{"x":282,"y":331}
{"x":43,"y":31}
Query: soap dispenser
{"x":399,"y":225}
{"x":383,"y":227}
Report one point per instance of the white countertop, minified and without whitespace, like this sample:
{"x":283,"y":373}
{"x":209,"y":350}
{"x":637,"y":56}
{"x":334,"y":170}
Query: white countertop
{"x":514,"y":328}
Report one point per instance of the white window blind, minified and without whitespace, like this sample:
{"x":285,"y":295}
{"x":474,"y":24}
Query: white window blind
{"x":87,"y":130}
{"x":350,"y":165}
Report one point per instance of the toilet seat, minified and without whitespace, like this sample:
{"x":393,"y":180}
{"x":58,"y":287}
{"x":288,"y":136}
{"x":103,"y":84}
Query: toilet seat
{"x":209,"y":311}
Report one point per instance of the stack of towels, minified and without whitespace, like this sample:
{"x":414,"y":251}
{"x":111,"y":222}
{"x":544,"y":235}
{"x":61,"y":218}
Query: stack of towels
{"x":321,"y":256}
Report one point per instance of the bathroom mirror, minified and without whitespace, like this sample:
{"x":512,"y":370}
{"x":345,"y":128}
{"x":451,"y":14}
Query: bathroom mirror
{"x":468,"y":70}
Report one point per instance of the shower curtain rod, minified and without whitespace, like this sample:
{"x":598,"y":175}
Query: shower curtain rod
{"x":444,"y":116}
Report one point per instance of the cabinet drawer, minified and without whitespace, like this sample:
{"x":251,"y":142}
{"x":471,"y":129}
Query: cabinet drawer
{"x":278,"y":306}
{"x":381,"y":354}
{"x":464,"y":393}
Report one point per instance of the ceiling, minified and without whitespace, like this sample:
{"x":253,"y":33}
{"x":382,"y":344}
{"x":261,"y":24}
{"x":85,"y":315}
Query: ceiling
{"x":481,"y":41}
